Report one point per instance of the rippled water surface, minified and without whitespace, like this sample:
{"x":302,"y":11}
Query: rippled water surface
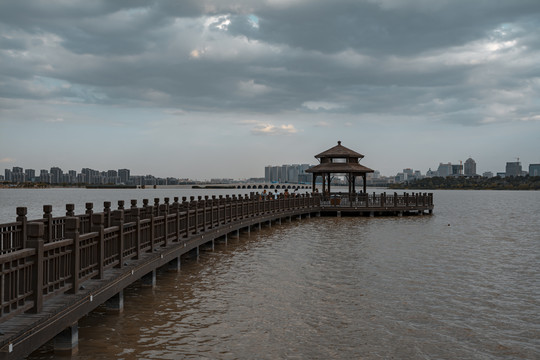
{"x":460,"y":284}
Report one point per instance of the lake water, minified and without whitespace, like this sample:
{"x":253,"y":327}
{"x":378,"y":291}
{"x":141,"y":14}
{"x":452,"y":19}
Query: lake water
{"x":460,"y":284}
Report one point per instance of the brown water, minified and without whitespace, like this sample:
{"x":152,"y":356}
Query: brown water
{"x":460,"y":284}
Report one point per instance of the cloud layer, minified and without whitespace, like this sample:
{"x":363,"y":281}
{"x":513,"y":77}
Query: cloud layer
{"x":473,"y":63}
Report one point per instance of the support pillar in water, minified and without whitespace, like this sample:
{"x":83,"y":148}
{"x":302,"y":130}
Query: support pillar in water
{"x":67,"y":342}
{"x":150,"y":279}
{"x":116,"y":303}
{"x":174,"y":265}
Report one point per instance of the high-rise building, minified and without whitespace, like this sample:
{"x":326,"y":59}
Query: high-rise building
{"x":457,"y":170}
{"x":17,"y":175}
{"x":56,"y":175}
{"x":30,"y":175}
{"x":513,"y":168}
{"x":444,"y":170}
{"x":534,"y":169}
{"x":124,"y":174}
{"x":72,"y":177}
{"x":44,"y":176}
{"x":470,"y":167}
{"x":409,"y":173}
{"x":8,"y":175}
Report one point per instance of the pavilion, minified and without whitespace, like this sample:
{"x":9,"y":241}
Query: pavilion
{"x":339,"y":160}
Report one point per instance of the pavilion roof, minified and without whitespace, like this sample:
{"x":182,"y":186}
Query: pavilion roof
{"x":339,"y":168}
{"x":339,"y":151}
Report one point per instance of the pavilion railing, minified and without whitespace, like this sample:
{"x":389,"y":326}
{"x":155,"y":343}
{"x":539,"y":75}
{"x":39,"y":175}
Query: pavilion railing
{"x":44,"y":258}
{"x":382,"y":200}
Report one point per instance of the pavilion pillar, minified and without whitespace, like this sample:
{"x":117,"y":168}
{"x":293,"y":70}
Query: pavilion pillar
{"x":329,"y":181}
{"x":364,"y":177}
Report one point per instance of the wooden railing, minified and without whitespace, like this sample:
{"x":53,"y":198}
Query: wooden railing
{"x":44,"y":258}
{"x":374,"y":200}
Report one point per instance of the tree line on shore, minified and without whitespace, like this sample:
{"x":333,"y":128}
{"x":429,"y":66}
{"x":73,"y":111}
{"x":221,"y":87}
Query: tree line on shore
{"x":473,"y":183}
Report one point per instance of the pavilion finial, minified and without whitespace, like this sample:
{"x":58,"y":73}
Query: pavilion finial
{"x":339,"y":142}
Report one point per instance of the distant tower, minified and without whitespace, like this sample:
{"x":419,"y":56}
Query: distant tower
{"x":470,"y":167}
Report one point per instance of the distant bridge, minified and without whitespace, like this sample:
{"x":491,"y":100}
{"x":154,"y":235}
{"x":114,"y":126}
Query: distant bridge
{"x":273,"y":186}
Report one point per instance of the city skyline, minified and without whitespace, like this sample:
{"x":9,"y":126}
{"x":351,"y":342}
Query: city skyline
{"x":208,"y":89}
{"x":284,"y":173}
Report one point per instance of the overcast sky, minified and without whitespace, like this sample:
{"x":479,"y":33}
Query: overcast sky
{"x":221,"y":88}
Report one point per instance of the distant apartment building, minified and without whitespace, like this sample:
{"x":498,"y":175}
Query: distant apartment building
{"x":72,"y":177}
{"x":287,"y":173}
{"x":444,"y":170}
{"x":8,"y":175}
{"x":17,"y":175}
{"x":457,"y":170}
{"x":30,"y":175}
{"x":487,"y":174}
{"x":513,"y":168}
{"x":534,"y":169}
{"x":409,"y":172}
{"x":470,"y":167}
{"x":56,"y":175}
{"x":44,"y":176}
{"x":124,"y":175}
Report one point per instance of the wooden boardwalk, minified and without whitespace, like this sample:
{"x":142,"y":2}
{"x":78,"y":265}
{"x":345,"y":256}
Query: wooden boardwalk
{"x":56,"y":270}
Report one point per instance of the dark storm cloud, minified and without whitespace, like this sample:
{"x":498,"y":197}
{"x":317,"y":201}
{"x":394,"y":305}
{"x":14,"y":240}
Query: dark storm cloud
{"x":389,"y":57}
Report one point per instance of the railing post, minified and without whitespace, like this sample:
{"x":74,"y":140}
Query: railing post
{"x":205,"y":201}
{"x":47,"y":215}
{"x":156,"y":206}
{"x":107,"y":213}
{"x":131,"y":209}
{"x":406,"y":199}
{"x":136,"y":216}
{"x":176,"y":209}
{"x":395,"y":199}
{"x":185,"y":206}
{"x":166,"y":200}
{"x":89,"y":211}
{"x":72,"y":232}
{"x":145,"y":205}
{"x":69,"y":210}
{"x":21,"y":217}
{"x":89,"y":208}
{"x":97,"y":226}
{"x":118,"y":220}
{"x":195,"y":204}
{"x":163,"y":211}
{"x":220,"y":202}
{"x":234,"y":205}
{"x":35,"y":241}
{"x":212,"y":202}
{"x":229,"y":202}
{"x":150,"y":210}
